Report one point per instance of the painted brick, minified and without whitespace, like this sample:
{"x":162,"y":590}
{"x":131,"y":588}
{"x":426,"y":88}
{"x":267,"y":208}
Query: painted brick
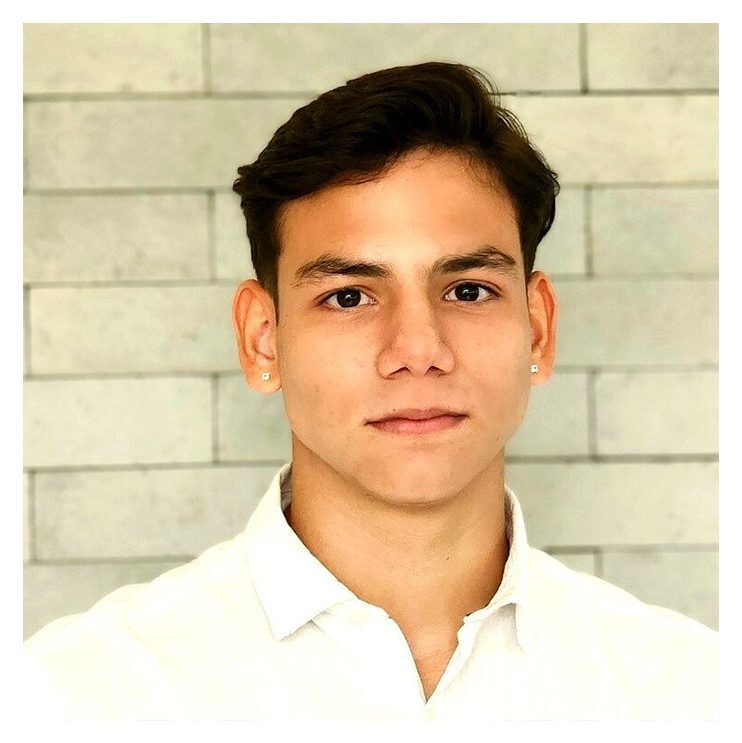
{"x":686,"y":581}
{"x":200,"y":143}
{"x":556,"y":419}
{"x":583,"y":562}
{"x":658,"y":413}
{"x":149,"y":513}
{"x":115,"y":238}
{"x":27,"y":555}
{"x":655,"y":230}
{"x":604,"y":322}
{"x":608,"y":139}
{"x":587,"y":504}
{"x":147,"y":144}
{"x":320,"y":56}
{"x":233,"y":259}
{"x":633,"y":56}
{"x":562,"y":251}
{"x":111,"y":57}
{"x":132,"y":329}
{"x":252,"y":426}
{"x":116,"y":421}
{"x":54,"y":591}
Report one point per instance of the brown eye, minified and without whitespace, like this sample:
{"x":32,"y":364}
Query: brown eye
{"x":348,"y":298}
{"x":469,"y":292}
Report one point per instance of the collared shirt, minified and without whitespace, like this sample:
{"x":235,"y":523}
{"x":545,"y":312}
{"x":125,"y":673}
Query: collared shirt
{"x":258,"y":628}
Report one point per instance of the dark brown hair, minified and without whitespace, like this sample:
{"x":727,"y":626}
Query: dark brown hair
{"x":353,"y":133}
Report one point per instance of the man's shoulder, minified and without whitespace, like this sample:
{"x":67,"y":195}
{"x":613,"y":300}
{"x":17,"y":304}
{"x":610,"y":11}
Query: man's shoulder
{"x":567,"y":590}
{"x":145,"y":631}
{"x":651,"y":644}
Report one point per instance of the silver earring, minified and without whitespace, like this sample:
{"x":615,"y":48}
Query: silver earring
{"x":265,"y":376}
{"x":534,"y":368}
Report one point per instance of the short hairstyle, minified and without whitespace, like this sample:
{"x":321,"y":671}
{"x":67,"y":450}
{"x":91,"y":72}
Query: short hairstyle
{"x":354,"y":133}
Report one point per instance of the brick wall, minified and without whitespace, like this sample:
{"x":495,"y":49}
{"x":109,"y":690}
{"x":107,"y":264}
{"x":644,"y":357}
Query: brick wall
{"x":143,"y":445}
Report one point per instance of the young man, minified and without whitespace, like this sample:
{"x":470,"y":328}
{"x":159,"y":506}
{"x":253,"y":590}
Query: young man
{"x":386,"y":574}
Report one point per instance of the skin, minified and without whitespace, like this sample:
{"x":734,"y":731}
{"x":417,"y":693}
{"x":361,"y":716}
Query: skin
{"x":412,"y":524}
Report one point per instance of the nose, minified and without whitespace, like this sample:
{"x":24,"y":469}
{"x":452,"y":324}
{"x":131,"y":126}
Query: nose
{"x":414,"y":339}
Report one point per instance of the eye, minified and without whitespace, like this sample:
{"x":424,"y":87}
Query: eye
{"x":348,"y":297}
{"x":469,"y":290}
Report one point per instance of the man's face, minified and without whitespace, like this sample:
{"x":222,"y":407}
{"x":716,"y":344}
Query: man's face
{"x":408,"y":340}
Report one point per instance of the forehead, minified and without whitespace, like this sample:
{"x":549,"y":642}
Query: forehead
{"x":426,"y":205}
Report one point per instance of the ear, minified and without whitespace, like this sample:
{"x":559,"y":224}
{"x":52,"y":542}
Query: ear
{"x":543,"y":311}
{"x":254,"y":322}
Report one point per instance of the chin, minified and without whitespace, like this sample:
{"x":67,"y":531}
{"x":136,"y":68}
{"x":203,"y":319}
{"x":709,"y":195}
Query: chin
{"x":419,"y":481}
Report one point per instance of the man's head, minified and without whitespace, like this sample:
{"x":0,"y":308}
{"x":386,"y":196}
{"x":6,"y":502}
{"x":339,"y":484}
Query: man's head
{"x":384,"y":185}
{"x":354,"y":132}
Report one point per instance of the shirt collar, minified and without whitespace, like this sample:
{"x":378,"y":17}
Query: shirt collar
{"x":293,"y":586}
{"x":514,"y":585}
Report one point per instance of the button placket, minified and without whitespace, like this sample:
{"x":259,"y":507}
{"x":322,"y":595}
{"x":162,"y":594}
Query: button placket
{"x":374,"y":639}
{"x":465,"y":637}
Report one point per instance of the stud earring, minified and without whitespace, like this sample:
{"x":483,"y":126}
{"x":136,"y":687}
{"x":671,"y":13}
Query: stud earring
{"x":265,"y":376}
{"x":534,"y":368}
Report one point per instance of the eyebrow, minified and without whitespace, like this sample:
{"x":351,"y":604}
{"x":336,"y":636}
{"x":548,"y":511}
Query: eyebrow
{"x":329,"y":264}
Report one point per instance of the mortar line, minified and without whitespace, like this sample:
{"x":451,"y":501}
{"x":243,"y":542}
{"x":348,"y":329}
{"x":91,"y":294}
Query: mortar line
{"x":664,"y":547}
{"x":587,"y":205}
{"x":31,"y":516}
{"x":592,"y":414}
{"x":155,"y":466}
{"x":305,"y":95}
{"x":624,"y":459}
{"x":27,"y":370}
{"x":629,"y":459}
{"x":582,"y":50}
{"x":25,"y":149}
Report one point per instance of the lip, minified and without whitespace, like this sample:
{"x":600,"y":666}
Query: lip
{"x":417,"y":414}
{"x":426,"y":425}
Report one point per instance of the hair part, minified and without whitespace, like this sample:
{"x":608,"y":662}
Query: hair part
{"x":355,"y":133}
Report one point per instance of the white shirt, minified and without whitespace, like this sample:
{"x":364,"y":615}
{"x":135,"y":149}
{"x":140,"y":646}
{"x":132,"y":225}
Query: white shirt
{"x":258,"y":628}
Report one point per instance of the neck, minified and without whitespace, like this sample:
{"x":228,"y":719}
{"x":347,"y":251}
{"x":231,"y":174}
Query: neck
{"x":427,"y":567}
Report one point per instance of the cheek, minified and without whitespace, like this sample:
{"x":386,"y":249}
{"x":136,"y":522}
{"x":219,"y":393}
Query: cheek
{"x":320,"y":379}
{"x":499,"y":367}
{"x":504,"y":350}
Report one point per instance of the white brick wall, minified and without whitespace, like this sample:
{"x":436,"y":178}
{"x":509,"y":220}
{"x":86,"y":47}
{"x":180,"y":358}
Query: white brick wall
{"x":143,"y":513}
{"x":87,"y":422}
{"x":606,"y":139}
{"x":655,"y":231}
{"x":107,"y":57}
{"x":139,"y":329}
{"x":127,"y":238}
{"x":637,"y":56}
{"x":143,"y":444}
{"x":316,"y":57}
